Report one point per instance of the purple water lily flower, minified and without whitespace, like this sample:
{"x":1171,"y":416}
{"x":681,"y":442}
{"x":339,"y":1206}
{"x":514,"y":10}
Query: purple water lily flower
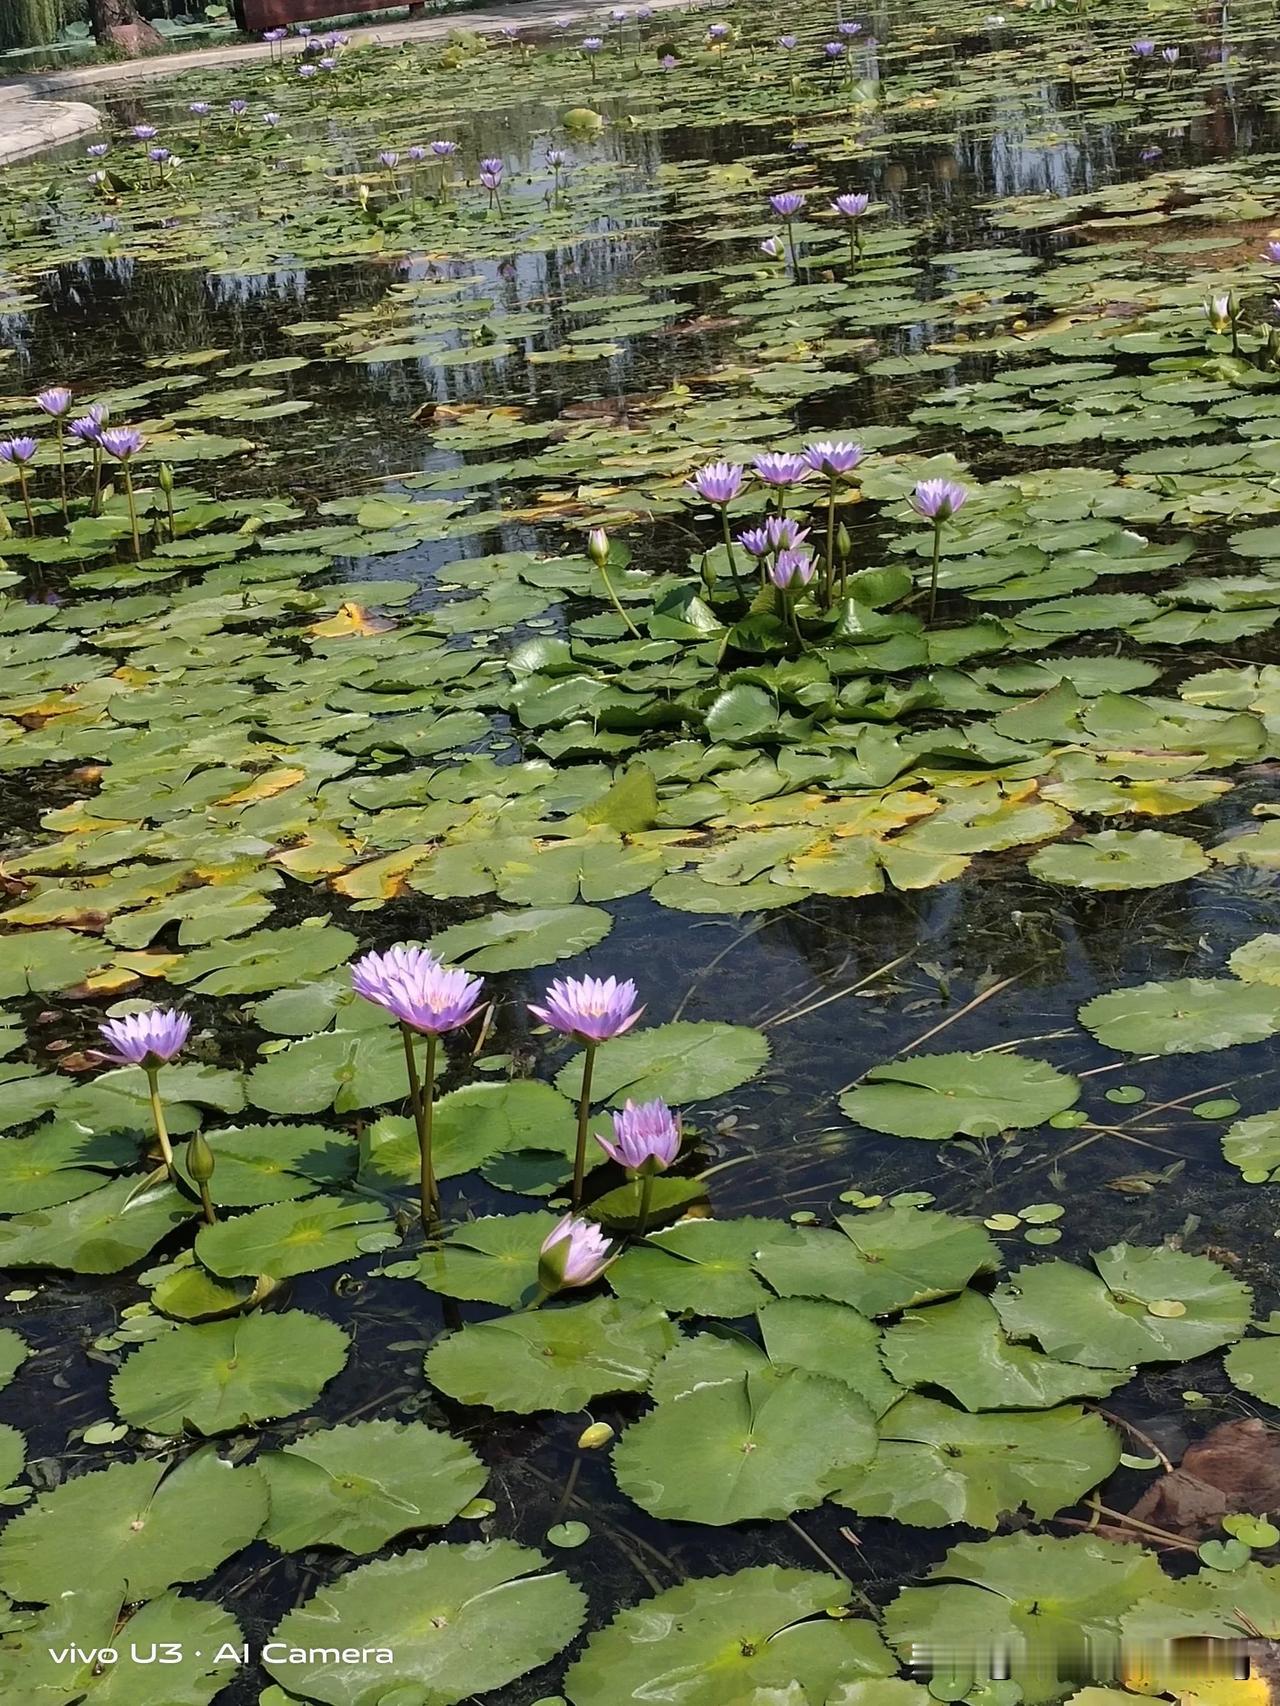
{"x":787,"y":203}
{"x":328,"y":63}
{"x":491,"y":181}
{"x":271,"y":120}
{"x":492,"y":168}
{"x":237,"y":108}
{"x":592,"y":1009}
{"x":122,"y":442}
{"x":781,"y":468}
{"x":308,"y":71}
{"x":832,"y":457}
{"x":375,"y":974}
{"x":199,"y":109}
{"x":938,"y":500}
{"x":791,"y":566}
{"x":275,"y":35}
{"x":389,"y":158}
{"x":717,"y":32}
{"x":575,"y":1252}
{"x":1151,"y":153}
{"x":773,"y":248}
{"x":55,"y":401}
{"x":787,"y":42}
{"x":592,"y":44}
{"x":1272,"y":252}
{"x":784,"y":533}
{"x":1170,"y":55}
{"x":442,"y":149}
{"x":1142,"y":49}
{"x":431,"y":998}
{"x":754,"y":541}
{"x":148,"y":1039}
{"x":557,"y":159}
{"x":17,"y":452}
{"x":159,"y":156}
{"x":848,"y":29}
{"x":646,"y":1136}
{"x":716,"y":482}
{"x":98,"y":150}
{"x":643,"y":14}
{"x":851,"y":206}
{"x":834,"y":49}
{"x":417,"y":154}
{"x":668,"y":62}
{"x":143,"y":132}
{"x":86,"y":428}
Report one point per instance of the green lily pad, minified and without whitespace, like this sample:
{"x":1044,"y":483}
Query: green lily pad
{"x":829,"y":1339}
{"x":880,"y":1262}
{"x":458,"y":1620}
{"x":723,"y":1636}
{"x":557,"y":1359}
{"x":945,"y":1095}
{"x":472,"y":1125}
{"x":283,"y":1239}
{"x":59,"y":1162}
{"x":223,"y":1375}
{"x":1253,"y":1145}
{"x":960,"y":1346}
{"x":101,"y":1233}
{"x":1110,"y":1319}
{"x":699,"y":1266}
{"x":936,"y":1466}
{"x":265,"y":959}
{"x":493,"y":1260}
{"x":1254,"y":1367}
{"x":1120,"y":859}
{"x":14,"y":1351}
{"x":147,"y":1527}
{"x":358,"y":1486}
{"x":514,"y":941}
{"x":261,"y":1164}
{"x":766,"y":1445}
{"x":1183,"y":1017}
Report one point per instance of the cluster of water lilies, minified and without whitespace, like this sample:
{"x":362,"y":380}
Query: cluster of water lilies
{"x":428,"y":1001}
{"x":852,"y":207}
{"x":779,"y":544}
{"x":90,"y":430}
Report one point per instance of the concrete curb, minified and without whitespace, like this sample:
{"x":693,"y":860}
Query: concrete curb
{"x":28,"y":126}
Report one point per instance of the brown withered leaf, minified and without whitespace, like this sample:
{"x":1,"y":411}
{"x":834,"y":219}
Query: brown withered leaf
{"x":1234,"y":1468}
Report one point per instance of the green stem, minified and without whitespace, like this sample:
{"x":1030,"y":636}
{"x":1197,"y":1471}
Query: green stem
{"x":133,"y":511}
{"x":95,"y":507}
{"x":206,"y":1203}
{"x":728,"y":547}
{"x":584,"y":1117}
{"x":62,"y":472}
{"x":173,"y":528}
{"x":427,"y":1194}
{"x":613,"y":599}
{"x":795,"y":258}
{"x":646,"y":1198}
{"x":26,"y":497}
{"x":933,"y":576}
{"x":831,"y":541}
{"x":157,"y":1117}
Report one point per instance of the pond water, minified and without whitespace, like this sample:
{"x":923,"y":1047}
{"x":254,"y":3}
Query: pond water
{"x":361,"y":684}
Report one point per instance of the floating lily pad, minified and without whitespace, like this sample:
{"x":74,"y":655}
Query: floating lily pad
{"x":1183,"y":1017}
{"x":146,"y":1527}
{"x":557,"y":1359}
{"x":223,"y":1375}
{"x":493,"y":1260}
{"x":458,"y":1620}
{"x":936,"y":1466}
{"x":1111,"y":1320}
{"x":723,"y":1636}
{"x":14,"y":1351}
{"x":283,"y":1239}
{"x":1253,"y":1145}
{"x":945,"y":1095}
{"x":829,"y":1339}
{"x":702,"y":1266}
{"x":1120,"y":859}
{"x":359,"y":1485}
{"x":261,"y":1164}
{"x":514,"y":941}
{"x":880,"y":1262}
{"x":100,"y":1233}
{"x":680,"y":1062}
{"x":1254,"y":1367}
{"x":59,"y":1162}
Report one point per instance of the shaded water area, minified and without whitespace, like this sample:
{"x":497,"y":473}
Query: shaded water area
{"x":324,"y":329}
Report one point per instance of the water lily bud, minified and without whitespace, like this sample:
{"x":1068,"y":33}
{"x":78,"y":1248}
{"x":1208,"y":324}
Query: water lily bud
{"x":164,"y":477}
{"x":844,"y":540}
{"x":598,"y":546}
{"x":199,"y":1159}
{"x":593,"y":1438}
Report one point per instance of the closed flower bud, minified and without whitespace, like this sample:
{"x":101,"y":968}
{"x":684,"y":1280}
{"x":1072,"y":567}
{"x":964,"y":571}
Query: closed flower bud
{"x":598,"y":546}
{"x":199,"y":1159}
{"x":844,"y":540}
{"x":593,"y":1438}
{"x":164,"y":477}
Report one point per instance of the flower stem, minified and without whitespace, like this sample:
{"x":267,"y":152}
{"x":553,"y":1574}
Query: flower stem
{"x":95,"y":506}
{"x":933,"y":575}
{"x":133,"y":511}
{"x":62,"y":473}
{"x":26,"y":498}
{"x":422,"y":1116}
{"x":206,"y":1203}
{"x":728,"y":547}
{"x":157,"y":1117}
{"x":613,"y":599}
{"x":584,"y":1116}
{"x":831,"y":541}
{"x":646,"y":1198}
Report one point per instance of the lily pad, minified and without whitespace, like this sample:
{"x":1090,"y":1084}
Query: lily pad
{"x":1254,"y":1367}
{"x":223,"y":1375}
{"x":680,"y":1062}
{"x":557,"y":1359}
{"x":358,"y":1486}
{"x":1183,"y":1017}
{"x":1253,"y":1145}
{"x":699,"y":1266}
{"x":100,"y":1233}
{"x":945,"y":1095}
{"x":514,"y":941}
{"x":283,"y":1239}
{"x":1120,"y":859}
{"x":493,"y":1260}
{"x":459,"y":1620}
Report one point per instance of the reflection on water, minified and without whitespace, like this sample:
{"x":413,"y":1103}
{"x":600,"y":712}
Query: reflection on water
{"x":839,"y":985}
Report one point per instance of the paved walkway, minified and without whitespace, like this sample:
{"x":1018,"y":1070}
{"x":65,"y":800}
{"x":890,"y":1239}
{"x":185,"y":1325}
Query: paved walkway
{"x":29,"y":124}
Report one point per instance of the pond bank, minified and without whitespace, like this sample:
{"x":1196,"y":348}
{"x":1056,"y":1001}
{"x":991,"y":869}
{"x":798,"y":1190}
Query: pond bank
{"x":29,"y":124}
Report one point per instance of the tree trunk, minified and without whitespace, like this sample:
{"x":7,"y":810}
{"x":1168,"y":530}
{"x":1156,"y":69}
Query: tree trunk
{"x":116,"y":23}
